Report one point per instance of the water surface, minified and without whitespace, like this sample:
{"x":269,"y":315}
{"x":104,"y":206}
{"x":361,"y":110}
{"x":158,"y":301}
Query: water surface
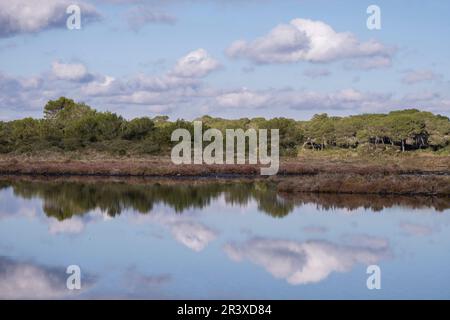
{"x":205,"y":239}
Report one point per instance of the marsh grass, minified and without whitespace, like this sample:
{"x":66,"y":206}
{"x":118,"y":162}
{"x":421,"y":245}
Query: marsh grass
{"x":329,"y":172}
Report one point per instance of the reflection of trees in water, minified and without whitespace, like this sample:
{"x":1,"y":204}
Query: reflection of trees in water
{"x":63,"y":199}
{"x":329,"y":201}
{"x":263,"y":193}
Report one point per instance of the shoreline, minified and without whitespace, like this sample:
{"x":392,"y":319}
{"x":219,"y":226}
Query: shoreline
{"x":414,"y":176}
{"x":139,"y":185}
{"x":162,"y":166}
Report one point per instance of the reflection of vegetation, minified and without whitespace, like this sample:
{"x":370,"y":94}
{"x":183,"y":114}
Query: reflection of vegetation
{"x":367,"y":184}
{"x":64,"y":199}
{"x":374,"y":202}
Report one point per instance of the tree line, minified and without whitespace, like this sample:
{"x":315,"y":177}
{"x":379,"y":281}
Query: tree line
{"x":71,"y":126}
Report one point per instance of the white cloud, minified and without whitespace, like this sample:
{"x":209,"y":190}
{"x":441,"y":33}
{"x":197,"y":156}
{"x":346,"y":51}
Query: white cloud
{"x":348,"y":98}
{"x":142,"y":97}
{"x":304,"y":262}
{"x":242,"y":99}
{"x":421,"y":97}
{"x":307,"y":40}
{"x":70,"y":71}
{"x":30,"y":16}
{"x":416,"y":76}
{"x":162,"y":83}
{"x":101,"y":87}
{"x":349,"y":95}
{"x":193,"y":235}
{"x":191,"y":97}
{"x":23,"y":280}
{"x":160,"y":109}
{"x":195,"y":64}
{"x":179,"y":84}
{"x":285,"y":43}
{"x":138,"y":17}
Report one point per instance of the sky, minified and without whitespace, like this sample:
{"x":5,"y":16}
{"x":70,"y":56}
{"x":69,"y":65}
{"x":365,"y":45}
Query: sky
{"x":232,"y":59}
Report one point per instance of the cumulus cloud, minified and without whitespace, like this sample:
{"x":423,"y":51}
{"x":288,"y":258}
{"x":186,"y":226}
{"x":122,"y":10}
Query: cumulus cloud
{"x":426,"y":100}
{"x":30,"y":16}
{"x":26,"y":96}
{"x":304,"y":262}
{"x":193,"y":235}
{"x":70,"y":71}
{"x":181,"y":84}
{"x":416,"y":76}
{"x":106,"y":85}
{"x":159,"y":99}
{"x":142,"y":97}
{"x":182,"y":89}
{"x":195,"y":64}
{"x":348,"y":98}
{"x":138,"y":17}
{"x":307,"y":40}
{"x":25,"y":280}
{"x":243,"y":98}
{"x":162,"y":83}
{"x":421,"y":97}
{"x":176,"y":85}
{"x":19,"y":95}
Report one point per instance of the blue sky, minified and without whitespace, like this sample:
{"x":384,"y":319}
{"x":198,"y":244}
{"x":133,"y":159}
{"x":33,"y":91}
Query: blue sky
{"x":182,"y":57}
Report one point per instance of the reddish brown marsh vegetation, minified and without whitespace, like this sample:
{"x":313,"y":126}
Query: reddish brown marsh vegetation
{"x":367,"y":184}
{"x":415,"y":174}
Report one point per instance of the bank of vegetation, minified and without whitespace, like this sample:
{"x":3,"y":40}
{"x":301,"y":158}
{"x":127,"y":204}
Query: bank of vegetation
{"x":403,"y":152}
{"x":68,"y":126}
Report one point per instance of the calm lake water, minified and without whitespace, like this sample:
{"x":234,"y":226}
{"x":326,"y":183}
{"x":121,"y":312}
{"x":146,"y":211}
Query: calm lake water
{"x":203,"y":239}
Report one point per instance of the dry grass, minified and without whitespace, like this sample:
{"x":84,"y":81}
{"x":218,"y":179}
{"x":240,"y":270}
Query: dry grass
{"x":310,"y":164}
{"x":366,"y":184}
{"x":312,"y":172}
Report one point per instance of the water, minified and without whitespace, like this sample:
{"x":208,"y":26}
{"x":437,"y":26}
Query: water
{"x":204,"y":239}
